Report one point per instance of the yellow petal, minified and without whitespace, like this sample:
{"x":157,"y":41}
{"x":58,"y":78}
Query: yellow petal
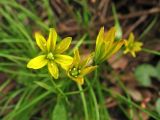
{"x":63,"y":45}
{"x":106,"y":47}
{"x":137,"y":46}
{"x":133,"y":54}
{"x":37,"y":62}
{"x":126,"y":51}
{"x":100,"y":37}
{"x":87,"y":70}
{"x":53,"y":69}
{"x":64,"y":60}
{"x":126,"y":43}
{"x":131,"y":39}
{"x":41,"y":42}
{"x":79,"y":80}
{"x":118,"y":45}
{"x":51,"y":42}
{"x":110,"y":37}
{"x":76,"y":59}
{"x":103,"y":54}
{"x":99,"y":42}
{"x":87,"y":60}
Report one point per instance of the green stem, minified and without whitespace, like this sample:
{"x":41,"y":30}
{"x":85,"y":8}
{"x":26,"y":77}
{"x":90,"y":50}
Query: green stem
{"x":31,"y":104}
{"x":100,"y":95}
{"x":151,"y":51}
{"x":128,"y":97}
{"x":126,"y":101}
{"x":84,"y":102}
{"x":94,"y":99}
{"x":59,"y":90}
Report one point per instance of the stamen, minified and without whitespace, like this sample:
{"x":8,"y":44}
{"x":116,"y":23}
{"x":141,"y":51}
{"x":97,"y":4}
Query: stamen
{"x":74,"y":72}
{"x":50,"y":56}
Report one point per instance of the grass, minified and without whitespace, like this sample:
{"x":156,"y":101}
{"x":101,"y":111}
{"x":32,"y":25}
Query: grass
{"x":33,"y":94}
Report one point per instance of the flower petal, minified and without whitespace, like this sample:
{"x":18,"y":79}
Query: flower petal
{"x":53,"y":69}
{"x":99,"y":42}
{"x":115,"y":47}
{"x":110,"y":37}
{"x":37,"y":62}
{"x":87,"y":70}
{"x":126,"y":51}
{"x":137,"y":46}
{"x":87,"y":60}
{"x":133,"y":54}
{"x":51,"y":42}
{"x":63,"y":45}
{"x":103,"y":54}
{"x":130,"y":39}
{"x":80,"y":80}
{"x":76,"y":59}
{"x":64,"y":60}
{"x":100,"y":37}
{"x":41,"y":42}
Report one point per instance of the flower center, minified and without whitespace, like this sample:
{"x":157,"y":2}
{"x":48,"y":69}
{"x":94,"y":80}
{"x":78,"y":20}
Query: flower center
{"x":75,"y":72}
{"x":50,"y":56}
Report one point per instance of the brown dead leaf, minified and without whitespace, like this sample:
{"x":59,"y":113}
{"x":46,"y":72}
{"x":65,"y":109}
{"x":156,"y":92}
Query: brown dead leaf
{"x":135,"y":94}
{"x":118,"y":63}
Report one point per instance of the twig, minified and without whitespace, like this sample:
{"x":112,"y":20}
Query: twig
{"x":139,"y":21}
{"x":135,"y":14}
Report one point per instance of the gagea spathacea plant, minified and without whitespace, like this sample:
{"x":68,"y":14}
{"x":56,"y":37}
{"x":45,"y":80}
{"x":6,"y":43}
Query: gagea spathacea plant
{"x":76,"y":67}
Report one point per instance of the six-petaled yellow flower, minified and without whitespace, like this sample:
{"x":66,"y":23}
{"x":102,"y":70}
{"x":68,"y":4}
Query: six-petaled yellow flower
{"x":106,"y":45}
{"x":52,"y":53}
{"x":79,"y":68}
{"x":131,"y":46}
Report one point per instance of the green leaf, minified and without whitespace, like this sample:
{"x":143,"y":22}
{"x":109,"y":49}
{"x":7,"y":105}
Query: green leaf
{"x":158,"y":106}
{"x":59,"y":112}
{"x":144,"y":73}
{"x":158,"y":70}
{"x":45,"y":86}
{"x":117,"y":24}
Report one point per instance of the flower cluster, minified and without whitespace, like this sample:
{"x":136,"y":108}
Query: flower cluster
{"x":76,"y":67}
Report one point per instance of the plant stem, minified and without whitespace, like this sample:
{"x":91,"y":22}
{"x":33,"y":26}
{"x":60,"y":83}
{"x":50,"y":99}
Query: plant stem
{"x":59,"y":90}
{"x":151,"y":51}
{"x":94,"y":99}
{"x":100,"y":95}
{"x":123,"y":99}
{"x":84,"y":102}
{"x":121,"y":85}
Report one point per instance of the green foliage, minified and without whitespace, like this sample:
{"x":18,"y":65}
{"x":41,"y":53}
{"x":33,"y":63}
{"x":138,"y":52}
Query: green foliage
{"x":144,"y":73}
{"x":117,"y":24}
{"x":45,"y":86}
{"x":59,"y":112}
{"x":158,"y":70}
{"x":158,"y":105}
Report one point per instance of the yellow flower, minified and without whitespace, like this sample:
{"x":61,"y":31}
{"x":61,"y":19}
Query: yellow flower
{"x":79,"y":68}
{"x":52,"y":53}
{"x":131,"y":46}
{"x":106,"y":45}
